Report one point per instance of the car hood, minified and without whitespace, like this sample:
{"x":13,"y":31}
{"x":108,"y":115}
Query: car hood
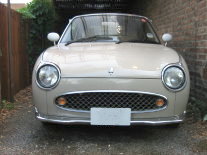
{"x":125,"y":60}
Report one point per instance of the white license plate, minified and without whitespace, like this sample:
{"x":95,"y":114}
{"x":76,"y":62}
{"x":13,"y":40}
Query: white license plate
{"x":111,"y":116}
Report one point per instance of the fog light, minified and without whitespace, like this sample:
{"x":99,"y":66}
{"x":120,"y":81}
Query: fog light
{"x":62,"y":101}
{"x":160,"y":102}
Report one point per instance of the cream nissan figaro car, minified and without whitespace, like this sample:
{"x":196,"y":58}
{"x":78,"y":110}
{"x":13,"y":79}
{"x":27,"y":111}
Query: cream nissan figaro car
{"x":110,"y":69}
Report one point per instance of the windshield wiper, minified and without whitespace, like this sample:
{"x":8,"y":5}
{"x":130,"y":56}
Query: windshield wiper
{"x":75,"y":41}
{"x":88,"y":39}
{"x":125,"y":41}
{"x":136,"y":41}
{"x":151,"y":42}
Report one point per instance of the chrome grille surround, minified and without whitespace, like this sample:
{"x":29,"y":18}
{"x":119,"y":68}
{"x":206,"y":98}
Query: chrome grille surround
{"x":139,"y":102}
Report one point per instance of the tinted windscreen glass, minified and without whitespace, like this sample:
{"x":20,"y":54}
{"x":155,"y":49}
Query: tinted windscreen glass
{"x":110,"y":28}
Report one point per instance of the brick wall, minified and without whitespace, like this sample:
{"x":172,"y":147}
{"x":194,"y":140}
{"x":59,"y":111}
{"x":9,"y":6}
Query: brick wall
{"x":186,"y":20}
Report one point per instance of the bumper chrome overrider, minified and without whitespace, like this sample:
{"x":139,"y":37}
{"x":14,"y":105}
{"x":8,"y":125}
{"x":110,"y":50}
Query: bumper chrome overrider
{"x":148,"y":121}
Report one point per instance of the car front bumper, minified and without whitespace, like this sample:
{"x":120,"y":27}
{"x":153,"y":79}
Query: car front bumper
{"x":84,"y":121}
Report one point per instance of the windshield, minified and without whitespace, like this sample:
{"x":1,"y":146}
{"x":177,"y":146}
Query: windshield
{"x":110,"y":28}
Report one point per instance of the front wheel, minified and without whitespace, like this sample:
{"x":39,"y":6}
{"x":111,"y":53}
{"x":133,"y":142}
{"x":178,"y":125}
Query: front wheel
{"x":174,"y":126}
{"x":47,"y":125}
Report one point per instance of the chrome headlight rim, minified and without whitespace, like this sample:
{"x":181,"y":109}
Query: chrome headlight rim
{"x":37,"y":73}
{"x":185,"y":78}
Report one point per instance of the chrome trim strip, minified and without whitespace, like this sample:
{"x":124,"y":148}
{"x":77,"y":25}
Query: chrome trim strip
{"x":179,"y":65}
{"x":180,"y":59}
{"x":113,"y":91}
{"x":155,"y":122}
{"x":98,"y":14}
{"x":44,"y":64}
{"x":159,"y":121}
{"x":62,"y":121}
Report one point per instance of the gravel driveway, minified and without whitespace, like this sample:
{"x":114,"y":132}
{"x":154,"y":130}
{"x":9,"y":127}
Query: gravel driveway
{"x":21,"y":134}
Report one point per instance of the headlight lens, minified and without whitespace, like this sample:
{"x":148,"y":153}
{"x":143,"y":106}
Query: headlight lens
{"x":47,"y":76}
{"x":174,"y":77}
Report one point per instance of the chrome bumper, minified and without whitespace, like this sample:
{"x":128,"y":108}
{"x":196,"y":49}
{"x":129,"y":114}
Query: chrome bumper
{"x":152,"y":121}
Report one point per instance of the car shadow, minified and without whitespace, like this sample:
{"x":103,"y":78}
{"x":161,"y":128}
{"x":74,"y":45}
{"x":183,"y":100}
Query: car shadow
{"x":103,"y":134}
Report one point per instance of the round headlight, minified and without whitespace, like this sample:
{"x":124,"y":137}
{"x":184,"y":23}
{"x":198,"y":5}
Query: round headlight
{"x":174,"y":77}
{"x":48,"y":76}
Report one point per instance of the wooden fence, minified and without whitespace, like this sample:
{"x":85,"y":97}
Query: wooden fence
{"x":14,"y":69}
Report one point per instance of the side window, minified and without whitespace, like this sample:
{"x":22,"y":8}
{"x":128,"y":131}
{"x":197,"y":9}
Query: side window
{"x":149,"y":35}
{"x":67,"y":35}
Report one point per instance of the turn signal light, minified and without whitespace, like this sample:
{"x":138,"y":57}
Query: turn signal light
{"x":160,"y":102}
{"x":62,"y":101}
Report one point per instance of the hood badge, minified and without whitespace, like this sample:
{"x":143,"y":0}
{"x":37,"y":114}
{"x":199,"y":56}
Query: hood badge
{"x":111,"y":71}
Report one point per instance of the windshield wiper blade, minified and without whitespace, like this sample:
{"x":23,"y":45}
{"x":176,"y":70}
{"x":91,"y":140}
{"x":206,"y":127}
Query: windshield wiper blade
{"x":137,"y":41}
{"x":98,"y":37}
{"x":74,"y":41}
{"x":129,"y":41}
{"x":88,"y":39}
{"x":150,"y":42}
{"x":118,"y":42}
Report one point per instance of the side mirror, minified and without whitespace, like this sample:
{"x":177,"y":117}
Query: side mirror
{"x":53,"y":37}
{"x":166,"y":38}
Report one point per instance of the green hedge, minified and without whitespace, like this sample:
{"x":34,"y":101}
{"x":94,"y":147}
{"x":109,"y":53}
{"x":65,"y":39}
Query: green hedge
{"x":41,"y":15}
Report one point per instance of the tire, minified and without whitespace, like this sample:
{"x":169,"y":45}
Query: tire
{"x":174,"y":126}
{"x":46,"y":125}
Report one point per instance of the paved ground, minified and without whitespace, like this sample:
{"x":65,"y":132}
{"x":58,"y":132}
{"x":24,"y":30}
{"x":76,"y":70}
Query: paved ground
{"x":23,"y":134}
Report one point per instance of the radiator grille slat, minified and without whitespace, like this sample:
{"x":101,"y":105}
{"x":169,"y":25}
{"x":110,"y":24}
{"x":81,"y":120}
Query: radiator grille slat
{"x":135,"y":101}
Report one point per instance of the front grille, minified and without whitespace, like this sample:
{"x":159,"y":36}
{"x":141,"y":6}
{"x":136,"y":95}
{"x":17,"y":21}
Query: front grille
{"x":135,"y":101}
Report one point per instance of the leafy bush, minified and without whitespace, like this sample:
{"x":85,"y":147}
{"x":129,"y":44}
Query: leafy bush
{"x":26,"y":14}
{"x":6,"y":105}
{"x":41,"y":14}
